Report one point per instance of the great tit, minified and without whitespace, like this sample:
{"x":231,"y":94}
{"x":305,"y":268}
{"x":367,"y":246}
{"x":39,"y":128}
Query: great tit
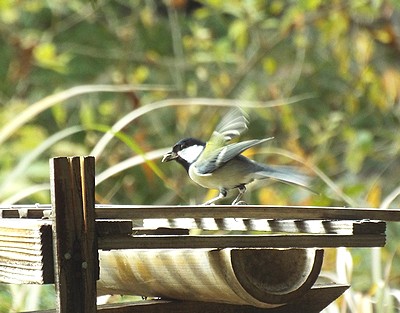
{"x":218,"y":165}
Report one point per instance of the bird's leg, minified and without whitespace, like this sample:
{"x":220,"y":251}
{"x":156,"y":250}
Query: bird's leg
{"x":242,"y":190}
{"x":222,"y":194}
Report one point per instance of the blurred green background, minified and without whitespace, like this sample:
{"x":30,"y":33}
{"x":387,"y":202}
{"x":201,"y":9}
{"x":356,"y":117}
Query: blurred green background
{"x":123,"y":80}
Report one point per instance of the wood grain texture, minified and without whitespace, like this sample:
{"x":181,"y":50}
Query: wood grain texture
{"x":273,"y":212}
{"x":74,"y":235}
{"x":26,"y":256}
{"x":244,"y":241}
{"x":314,"y":301}
{"x":258,"y":277}
{"x":246,"y":211}
{"x":341,"y":227}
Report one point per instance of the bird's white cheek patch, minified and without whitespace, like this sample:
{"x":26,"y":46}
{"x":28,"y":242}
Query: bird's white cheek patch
{"x":190,"y":154}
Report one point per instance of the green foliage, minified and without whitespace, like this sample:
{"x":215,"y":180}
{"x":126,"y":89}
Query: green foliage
{"x":93,"y":77}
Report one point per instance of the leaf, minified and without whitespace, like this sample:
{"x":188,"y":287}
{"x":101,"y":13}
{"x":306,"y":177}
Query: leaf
{"x":238,"y":32}
{"x":46,"y":56}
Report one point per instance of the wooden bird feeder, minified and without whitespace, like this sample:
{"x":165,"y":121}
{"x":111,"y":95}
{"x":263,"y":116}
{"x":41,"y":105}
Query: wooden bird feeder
{"x":271,"y":264}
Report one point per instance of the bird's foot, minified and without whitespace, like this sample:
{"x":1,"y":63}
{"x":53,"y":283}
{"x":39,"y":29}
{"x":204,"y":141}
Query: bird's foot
{"x":239,"y":203}
{"x":208,"y":203}
{"x":222,"y":194}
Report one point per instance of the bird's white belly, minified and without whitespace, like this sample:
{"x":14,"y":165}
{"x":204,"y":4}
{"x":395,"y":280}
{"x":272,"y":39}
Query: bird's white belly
{"x":223,"y":177}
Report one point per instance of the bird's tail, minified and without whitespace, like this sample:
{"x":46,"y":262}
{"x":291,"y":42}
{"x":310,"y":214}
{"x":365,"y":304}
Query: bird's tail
{"x":285,"y":174}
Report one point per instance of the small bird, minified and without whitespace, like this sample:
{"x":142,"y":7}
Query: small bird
{"x":219,"y":165}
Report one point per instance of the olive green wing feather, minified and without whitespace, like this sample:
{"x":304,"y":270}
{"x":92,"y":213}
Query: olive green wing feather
{"x":220,"y":156}
{"x":232,"y":125}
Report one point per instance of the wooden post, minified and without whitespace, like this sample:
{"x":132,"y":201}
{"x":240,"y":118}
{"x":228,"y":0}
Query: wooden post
{"x":74,"y":236}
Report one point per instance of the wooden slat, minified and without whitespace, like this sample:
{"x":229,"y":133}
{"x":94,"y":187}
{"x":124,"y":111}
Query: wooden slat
{"x":369,"y":227}
{"x":113,"y":227}
{"x":246,"y":211}
{"x":9,"y":213}
{"x":220,"y":211}
{"x":26,"y":212}
{"x":237,"y":241}
{"x":180,"y":226}
{"x":343,"y":227}
{"x":319,"y":297}
{"x":160,"y":231}
{"x":15,"y":275}
{"x":26,"y":255}
{"x":312,"y":302}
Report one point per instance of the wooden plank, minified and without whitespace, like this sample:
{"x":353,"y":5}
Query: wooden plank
{"x":343,"y":227}
{"x":9,"y":213}
{"x":113,"y":227}
{"x":165,"y":226}
{"x":27,"y":230}
{"x":26,"y":254}
{"x":36,"y":211}
{"x":160,"y":231}
{"x":238,"y":241}
{"x":38,"y":206}
{"x":369,"y":227}
{"x":74,"y":235}
{"x":313,"y":301}
{"x":223,"y":211}
{"x":319,"y":297}
{"x":246,"y":211}
{"x":22,"y":227}
{"x":19,"y":275}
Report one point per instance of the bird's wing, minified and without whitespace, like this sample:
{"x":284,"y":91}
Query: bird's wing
{"x":232,"y":125}
{"x":218,"y":157}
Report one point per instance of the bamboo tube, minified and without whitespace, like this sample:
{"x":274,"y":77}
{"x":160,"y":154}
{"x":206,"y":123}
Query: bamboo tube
{"x":258,"y":277}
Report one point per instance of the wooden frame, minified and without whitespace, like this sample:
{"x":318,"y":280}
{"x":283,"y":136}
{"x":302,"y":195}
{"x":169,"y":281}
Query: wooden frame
{"x":80,"y":228}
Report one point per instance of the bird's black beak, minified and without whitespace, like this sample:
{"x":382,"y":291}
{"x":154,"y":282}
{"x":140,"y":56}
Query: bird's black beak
{"x":169,"y":156}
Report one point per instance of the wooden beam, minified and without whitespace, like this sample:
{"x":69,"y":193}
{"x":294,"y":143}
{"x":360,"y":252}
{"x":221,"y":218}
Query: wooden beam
{"x":216,"y":211}
{"x":314,"y":301}
{"x":74,"y":235}
{"x":237,"y":241}
{"x":342,"y":227}
{"x":150,"y":225}
{"x":245,"y":211}
{"x":113,"y":227}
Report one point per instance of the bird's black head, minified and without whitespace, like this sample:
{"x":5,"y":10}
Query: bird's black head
{"x":185,"y":152}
